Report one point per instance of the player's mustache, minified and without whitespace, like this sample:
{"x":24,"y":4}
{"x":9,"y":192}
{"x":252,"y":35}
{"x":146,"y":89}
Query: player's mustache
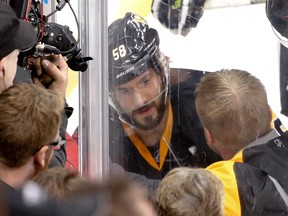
{"x":148,"y":104}
{"x":144,"y":107}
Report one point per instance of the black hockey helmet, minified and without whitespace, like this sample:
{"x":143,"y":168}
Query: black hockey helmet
{"x":133,"y":48}
{"x":277,"y":13}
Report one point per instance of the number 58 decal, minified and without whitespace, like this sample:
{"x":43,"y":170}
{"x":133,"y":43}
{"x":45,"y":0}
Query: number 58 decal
{"x":119,"y":52}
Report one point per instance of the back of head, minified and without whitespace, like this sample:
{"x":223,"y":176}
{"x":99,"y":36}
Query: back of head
{"x":29,"y":118}
{"x":120,"y":196}
{"x":116,"y":196}
{"x":189,"y":191}
{"x":31,"y":200}
{"x":59,"y":182}
{"x":232,"y":105}
{"x":276,"y":11}
{"x":127,"y":198}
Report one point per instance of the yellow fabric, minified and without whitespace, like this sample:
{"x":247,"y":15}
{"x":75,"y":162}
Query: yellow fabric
{"x":140,"y":7}
{"x":225,"y":172}
{"x":274,"y":119}
{"x":164,"y":142}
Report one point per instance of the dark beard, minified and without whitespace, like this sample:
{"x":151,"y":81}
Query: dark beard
{"x":151,"y":123}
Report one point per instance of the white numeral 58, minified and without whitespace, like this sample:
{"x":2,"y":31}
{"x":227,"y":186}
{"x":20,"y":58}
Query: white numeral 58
{"x":119,"y":52}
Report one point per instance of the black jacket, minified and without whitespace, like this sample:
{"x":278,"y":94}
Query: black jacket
{"x":249,"y":178}
{"x":188,"y":145}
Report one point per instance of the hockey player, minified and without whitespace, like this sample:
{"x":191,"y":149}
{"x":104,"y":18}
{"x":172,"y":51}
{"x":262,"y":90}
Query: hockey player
{"x":155,"y":127}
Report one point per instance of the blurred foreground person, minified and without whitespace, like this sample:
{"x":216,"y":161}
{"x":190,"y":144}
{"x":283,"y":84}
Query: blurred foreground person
{"x":188,"y":191}
{"x":59,"y":182}
{"x":233,"y":109}
{"x":119,"y":195}
{"x":31,"y":200}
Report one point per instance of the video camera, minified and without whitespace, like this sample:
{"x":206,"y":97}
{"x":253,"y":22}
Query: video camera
{"x":52,"y":38}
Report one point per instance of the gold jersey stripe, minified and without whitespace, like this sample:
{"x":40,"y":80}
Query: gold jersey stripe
{"x":164,"y":142}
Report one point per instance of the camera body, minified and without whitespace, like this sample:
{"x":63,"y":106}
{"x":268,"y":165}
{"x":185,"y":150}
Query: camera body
{"x":52,"y":38}
{"x":58,"y":39}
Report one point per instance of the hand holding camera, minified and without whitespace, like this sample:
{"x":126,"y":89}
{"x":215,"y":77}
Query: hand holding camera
{"x":45,"y":59}
{"x":51,"y":72}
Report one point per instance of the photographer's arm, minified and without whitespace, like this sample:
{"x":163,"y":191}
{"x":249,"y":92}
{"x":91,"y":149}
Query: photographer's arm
{"x":59,"y":84}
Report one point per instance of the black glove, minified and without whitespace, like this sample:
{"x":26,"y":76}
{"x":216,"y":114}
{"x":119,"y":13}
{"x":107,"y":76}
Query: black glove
{"x":180,"y":16}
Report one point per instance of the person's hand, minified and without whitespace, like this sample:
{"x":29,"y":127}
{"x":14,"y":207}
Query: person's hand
{"x":50,"y":75}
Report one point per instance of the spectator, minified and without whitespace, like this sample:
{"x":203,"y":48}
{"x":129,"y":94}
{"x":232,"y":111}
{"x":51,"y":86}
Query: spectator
{"x":60,"y":182}
{"x":17,"y":35}
{"x":186,"y":191}
{"x":30,"y":117}
{"x":120,"y":196}
{"x":30,"y":200}
{"x":234,"y":112}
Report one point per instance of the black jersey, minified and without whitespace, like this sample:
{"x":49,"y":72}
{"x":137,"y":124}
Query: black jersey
{"x":187,"y":146}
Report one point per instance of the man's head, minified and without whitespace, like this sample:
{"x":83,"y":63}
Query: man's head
{"x":60,"y":182}
{"x":15,"y":35}
{"x":188,"y":191}
{"x":138,"y":80}
{"x":29,"y":121}
{"x":233,"y":109}
{"x":277,"y":13}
